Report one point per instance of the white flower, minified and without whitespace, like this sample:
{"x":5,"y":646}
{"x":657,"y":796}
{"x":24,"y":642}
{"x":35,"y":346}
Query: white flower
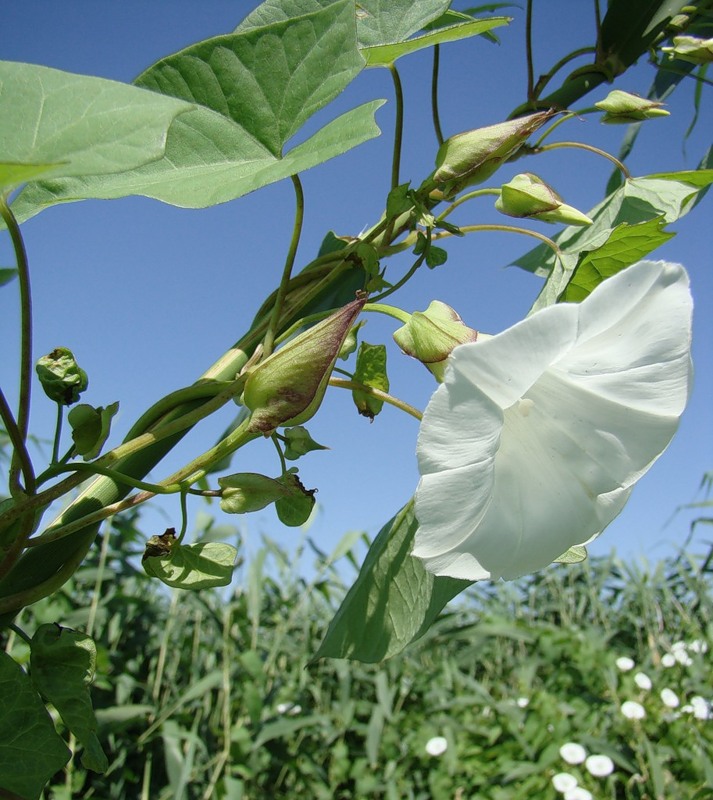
{"x":698,"y":646}
{"x":564,"y":782}
{"x":599,"y":766}
{"x":682,"y":657}
{"x":537,"y":436}
{"x":701,"y":708}
{"x":642,"y":680}
{"x":669,"y":698}
{"x":633,"y":710}
{"x":668,"y":660}
{"x":624,"y":663}
{"x":578,"y":793}
{"x":288,"y":708}
{"x":523,"y":702}
{"x":437,"y":746}
{"x":573,"y":753}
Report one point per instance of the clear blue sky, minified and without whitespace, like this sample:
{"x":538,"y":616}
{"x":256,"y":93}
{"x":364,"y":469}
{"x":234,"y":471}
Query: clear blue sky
{"x":148,"y":296}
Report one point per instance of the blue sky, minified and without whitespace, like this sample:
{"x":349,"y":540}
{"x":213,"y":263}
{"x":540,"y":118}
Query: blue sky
{"x":149,"y":296}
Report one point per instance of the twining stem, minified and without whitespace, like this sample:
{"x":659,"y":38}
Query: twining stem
{"x":18,"y":464}
{"x":581,"y":146}
{"x":391,"y":311}
{"x":434,"y":94}
{"x":398,"y":126}
{"x":407,"y":277}
{"x":18,"y":444}
{"x":543,"y":80}
{"x":269,"y":340}
{"x":464,"y":198}
{"x":387,"y":398}
{"x":528,"y":50}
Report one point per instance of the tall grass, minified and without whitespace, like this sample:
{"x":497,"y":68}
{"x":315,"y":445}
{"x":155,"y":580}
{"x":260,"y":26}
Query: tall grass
{"x":214,"y":696}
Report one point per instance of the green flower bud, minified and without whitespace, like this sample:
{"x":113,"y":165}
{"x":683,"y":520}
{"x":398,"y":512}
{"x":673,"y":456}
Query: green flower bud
{"x":90,"y":428}
{"x":529,"y":196}
{"x":472,"y":157}
{"x":431,"y":335}
{"x":298,"y":442}
{"x":287,"y":388}
{"x":624,"y":107}
{"x":692,"y":49}
{"x":248,"y":491}
{"x":61,"y":377}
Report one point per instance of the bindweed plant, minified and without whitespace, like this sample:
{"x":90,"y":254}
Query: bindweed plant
{"x":533,"y":439}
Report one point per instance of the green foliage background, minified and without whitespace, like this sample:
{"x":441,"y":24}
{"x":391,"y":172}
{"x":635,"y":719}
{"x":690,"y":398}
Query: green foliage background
{"x":208,"y":695}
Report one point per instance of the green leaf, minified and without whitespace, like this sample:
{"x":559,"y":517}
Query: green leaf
{"x":75,"y":124}
{"x":626,"y":245}
{"x":391,"y":21}
{"x":6,"y":275}
{"x":385,"y":54}
{"x":193,"y":566}
{"x":393,"y":601}
{"x":574,"y":555}
{"x":31,"y":751}
{"x":371,"y":371}
{"x":91,"y":428}
{"x":209,"y":160}
{"x":62,"y":663}
{"x":269,"y":80}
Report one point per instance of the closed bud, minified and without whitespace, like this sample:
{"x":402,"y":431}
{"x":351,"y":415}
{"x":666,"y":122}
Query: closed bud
{"x":528,"y":196}
{"x":287,"y":388}
{"x":624,"y":107}
{"x":61,"y":377}
{"x":472,"y":157}
{"x":431,"y":335}
{"x":693,"y":49}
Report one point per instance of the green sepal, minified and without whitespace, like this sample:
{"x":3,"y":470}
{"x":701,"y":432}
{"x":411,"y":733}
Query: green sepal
{"x":371,"y":371}
{"x":62,"y":379}
{"x":202,"y":565}
{"x":299,"y":442}
{"x":90,"y":428}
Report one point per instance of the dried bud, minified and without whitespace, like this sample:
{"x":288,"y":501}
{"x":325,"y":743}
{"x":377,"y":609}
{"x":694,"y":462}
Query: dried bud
{"x":287,"y":388}
{"x":624,"y":107}
{"x":692,"y":49}
{"x":529,"y":196}
{"x":431,"y":335}
{"x":61,"y":377}
{"x":472,"y":157}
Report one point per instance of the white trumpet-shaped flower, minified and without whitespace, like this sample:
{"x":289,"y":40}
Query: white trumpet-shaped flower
{"x":537,"y":436}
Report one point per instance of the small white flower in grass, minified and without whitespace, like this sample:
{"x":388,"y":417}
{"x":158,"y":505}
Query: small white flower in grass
{"x":683,"y":658}
{"x":701,"y":708}
{"x":633,"y":710}
{"x":573,"y":753}
{"x":536,"y":437}
{"x":564,"y":782}
{"x":624,"y":663}
{"x":698,"y":646}
{"x":578,"y":793}
{"x":642,"y":680}
{"x":668,"y":660}
{"x":599,"y":766}
{"x":669,"y":698}
{"x":437,"y":746}
{"x":523,"y":702}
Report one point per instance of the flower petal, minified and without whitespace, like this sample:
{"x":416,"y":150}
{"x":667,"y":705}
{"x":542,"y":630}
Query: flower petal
{"x":533,"y":442}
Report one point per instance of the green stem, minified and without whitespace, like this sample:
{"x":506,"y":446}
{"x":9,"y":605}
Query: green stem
{"x":407,"y":277}
{"x":528,"y":50}
{"x":398,"y":126}
{"x":387,"y":398}
{"x":184,"y":515}
{"x":23,"y":275}
{"x":543,"y":80}
{"x":434,"y":94}
{"x":591,"y":149}
{"x":269,"y":341}
{"x":463,"y":198}
{"x":391,"y":311}
{"x":19,"y":448}
{"x":57,"y":433}
{"x":283,"y":465}
{"x":20,"y":633}
{"x":95,"y":469}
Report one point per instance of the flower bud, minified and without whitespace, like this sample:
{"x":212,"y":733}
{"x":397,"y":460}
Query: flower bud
{"x":692,"y":49}
{"x":61,"y":377}
{"x":472,"y":157}
{"x":287,"y":388}
{"x":624,"y":107}
{"x":529,"y":196}
{"x":431,"y":335}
